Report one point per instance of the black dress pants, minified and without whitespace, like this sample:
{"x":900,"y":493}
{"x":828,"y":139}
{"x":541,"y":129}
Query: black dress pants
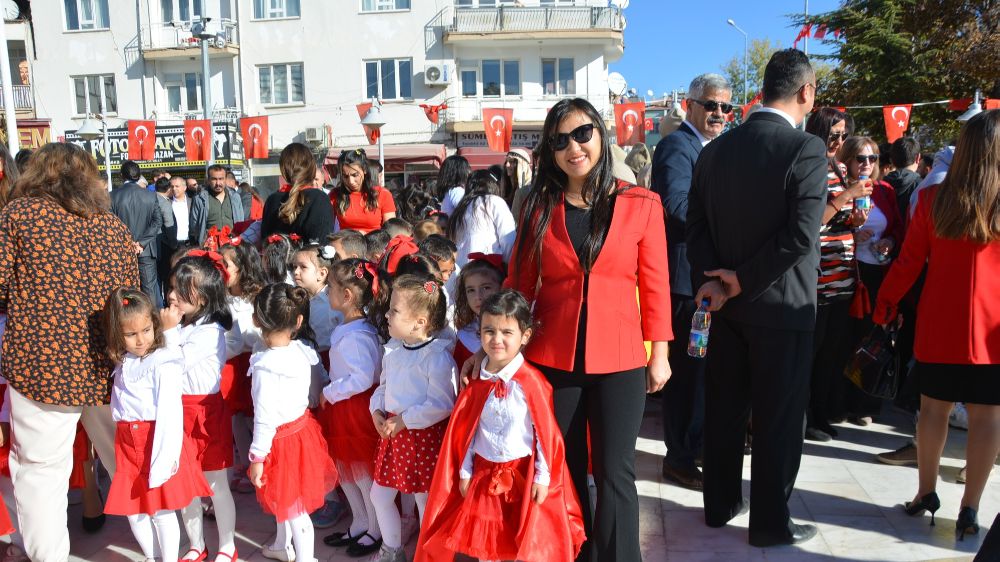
{"x":148,"y":280}
{"x":612,"y":405}
{"x":832,"y":345}
{"x":684,"y":394}
{"x":764,"y":371}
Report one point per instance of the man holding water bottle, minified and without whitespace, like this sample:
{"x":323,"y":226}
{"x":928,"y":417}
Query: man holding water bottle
{"x":753,"y":222}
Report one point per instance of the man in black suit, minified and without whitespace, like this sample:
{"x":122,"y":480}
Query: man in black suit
{"x":754,"y":214}
{"x":708,"y":102}
{"x":139,"y":209}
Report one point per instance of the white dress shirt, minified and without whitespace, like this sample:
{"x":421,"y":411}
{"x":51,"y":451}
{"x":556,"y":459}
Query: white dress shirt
{"x":323,"y":319}
{"x":505,"y":431}
{"x":697,"y":133}
{"x":244,"y":337}
{"x":355,"y":360}
{"x":488,"y":227}
{"x":281,"y":378}
{"x":203,"y":345}
{"x":469,"y":336}
{"x":876,"y":223}
{"x":452,"y":198}
{"x":181,"y":215}
{"x":787,"y":117}
{"x":420,"y":383}
{"x":149,"y":389}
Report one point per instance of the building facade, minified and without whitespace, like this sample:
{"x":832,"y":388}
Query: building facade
{"x":308,"y":63}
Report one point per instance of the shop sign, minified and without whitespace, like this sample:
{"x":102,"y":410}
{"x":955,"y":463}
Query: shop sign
{"x":170,"y":151}
{"x":519,"y":139}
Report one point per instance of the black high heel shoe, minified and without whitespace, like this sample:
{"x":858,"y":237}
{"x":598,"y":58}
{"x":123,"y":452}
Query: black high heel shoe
{"x":930,"y":502}
{"x":967,"y":524}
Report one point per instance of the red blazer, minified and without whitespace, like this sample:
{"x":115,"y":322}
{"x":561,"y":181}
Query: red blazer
{"x":958,"y":316}
{"x":634,"y":255}
{"x":884,"y":197}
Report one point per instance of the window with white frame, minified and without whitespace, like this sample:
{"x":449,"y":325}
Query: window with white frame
{"x":389,"y":79}
{"x":485,"y":3}
{"x":470,"y":82}
{"x":275,"y":9}
{"x":180,"y":10}
{"x":384,"y":5}
{"x":558,"y":77}
{"x":183,"y":92}
{"x":281,"y":84}
{"x":501,"y":78}
{"x":95,"y":94}
{"x":86,"y":14}
{"x":557,"y":2}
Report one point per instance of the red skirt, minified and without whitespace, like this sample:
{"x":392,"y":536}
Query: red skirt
{"x":208,"y":425}
{"x":236,"y":384}
{"x":81,"y":453}
{"x":130,"y":493}
{"x":487,"y":524}
{"x":6,"y":525}
{"x":297,"y":472}
{"x":406,"y":462}
{"x":351,"y":436}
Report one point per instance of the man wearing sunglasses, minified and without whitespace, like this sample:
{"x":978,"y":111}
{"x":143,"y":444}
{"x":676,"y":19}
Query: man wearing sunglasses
{"x":753,"y":223}
{"x":673,"y":163}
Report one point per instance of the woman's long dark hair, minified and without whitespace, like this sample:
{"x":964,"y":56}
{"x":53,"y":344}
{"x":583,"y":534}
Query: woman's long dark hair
{"x":819,"y":124}
{"x":342,"y":195}
{"x":550,"y":184}
{"x":197,"y":278}
{"x":481,"y":185}
{"x":454,"y":172}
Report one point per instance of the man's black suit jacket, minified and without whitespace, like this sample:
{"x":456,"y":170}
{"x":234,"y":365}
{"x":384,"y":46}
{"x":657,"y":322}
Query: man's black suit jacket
{"x":756,"y":203}
{"x":140,"y":211}
{"x":673,"y":165}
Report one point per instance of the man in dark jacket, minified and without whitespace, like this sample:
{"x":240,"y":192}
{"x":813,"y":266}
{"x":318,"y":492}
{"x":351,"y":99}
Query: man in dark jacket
{"x":139,"y":209}
{"x":216,"y":205}
{"x":905,"y":156}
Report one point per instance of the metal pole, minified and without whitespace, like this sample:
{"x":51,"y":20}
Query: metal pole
{"x":805,"y":48}
{"x":206,"y":85}
{"x":107,"y":152}
{"x":381,"y":153}
{"x":746,"y":68}
{"x":13,"y":142}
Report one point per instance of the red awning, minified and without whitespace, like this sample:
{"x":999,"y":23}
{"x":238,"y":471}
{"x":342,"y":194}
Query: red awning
{"x":396,"y":155}
{"x":481,"y":158}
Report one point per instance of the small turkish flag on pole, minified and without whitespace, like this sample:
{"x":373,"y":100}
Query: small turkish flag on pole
{"x":499,"y":125}
{"x":897,"y":120}
{"x":255,"y":136}
{"x":198,"y":139}
{"x":757,"y":98}
{"x":371,"y":133}
{"x":141,"y":140}
{"x":628,"y":123}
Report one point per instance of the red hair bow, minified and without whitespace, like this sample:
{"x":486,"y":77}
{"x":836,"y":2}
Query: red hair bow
{"x":235,"y":241}
{"x":294,"y":237}
{"x":216,"y":260}
{"x":434,"y":213}
{"x":398,"y":248}
{"x":217,"y":237}
{"x":274,"y":239}
{"x":496,"y":260}
{"x":372,"y":270}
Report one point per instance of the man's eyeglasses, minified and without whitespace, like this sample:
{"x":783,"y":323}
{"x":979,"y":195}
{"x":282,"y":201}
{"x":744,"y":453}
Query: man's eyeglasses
{"x":712,"y":105}
{"x":581,"y":135}
{"x":837,"y":136}
{"x":871,"y":158}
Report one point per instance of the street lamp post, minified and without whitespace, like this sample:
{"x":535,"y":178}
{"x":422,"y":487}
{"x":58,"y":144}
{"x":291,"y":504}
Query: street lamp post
{"x":375,"y":120}
{"x":89,"y":131}
{"x":746,"y":59}
{"x":203,"y":32}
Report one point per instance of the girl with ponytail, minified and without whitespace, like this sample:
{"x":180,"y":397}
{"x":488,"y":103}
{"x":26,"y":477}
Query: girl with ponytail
{"x":298,"y":207}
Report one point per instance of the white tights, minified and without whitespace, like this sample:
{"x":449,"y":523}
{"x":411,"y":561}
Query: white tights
{"x":225,"y":515}
{"x":242,"y":437}
{"x":160,"y":529}
{"x":384,"y":501}
{"x":359,"y":497}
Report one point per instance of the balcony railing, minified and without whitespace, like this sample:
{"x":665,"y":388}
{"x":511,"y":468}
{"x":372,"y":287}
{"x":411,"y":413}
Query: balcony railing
{"x":525,"y":108}
{"x":22,"y":98}
{"x":178,"y":35}
{"x":228,"y":115}
{"x":543,"y":18}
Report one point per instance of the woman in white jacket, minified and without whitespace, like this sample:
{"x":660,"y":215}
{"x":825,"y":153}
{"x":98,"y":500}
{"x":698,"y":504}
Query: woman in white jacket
{"x":482,"y":222}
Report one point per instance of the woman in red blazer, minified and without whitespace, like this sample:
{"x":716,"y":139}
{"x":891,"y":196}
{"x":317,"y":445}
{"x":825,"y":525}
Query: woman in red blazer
{"x":956,"y":232}
{"x":586,"y":242}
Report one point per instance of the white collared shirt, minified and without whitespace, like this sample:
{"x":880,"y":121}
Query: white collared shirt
{"x":323,"y":319}
{"x":420,"y":384}
{"x":505,"y":431}
{"x":469,"y":337}
{"x":787,"y":117}
{"x":281,"y":379}
{"x":355,"y":360}
{"x":203,"y":346}
{"x":149,"y":389}
{"x":487,"y":227}
{"x":181,"y":212}
{"x":701,"y":138}
{"x":244,"y":336}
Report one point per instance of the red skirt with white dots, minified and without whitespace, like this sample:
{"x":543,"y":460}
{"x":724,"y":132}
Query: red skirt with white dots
{"x":406,"y":462}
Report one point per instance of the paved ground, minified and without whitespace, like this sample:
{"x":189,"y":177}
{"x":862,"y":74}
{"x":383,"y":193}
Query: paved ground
{"x":854,"y":500}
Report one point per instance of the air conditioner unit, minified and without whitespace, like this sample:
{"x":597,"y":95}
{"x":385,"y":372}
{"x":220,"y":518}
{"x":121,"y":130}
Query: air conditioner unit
{"x":219,"y":41}
{"x":315,"y":135}
{"x":437,"y":74}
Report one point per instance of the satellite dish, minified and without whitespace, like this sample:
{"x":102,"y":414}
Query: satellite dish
{"x":617,"y":84}
{"x":620,"y":4}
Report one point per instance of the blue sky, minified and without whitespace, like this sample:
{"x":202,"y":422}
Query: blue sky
{"x":667,"y":43}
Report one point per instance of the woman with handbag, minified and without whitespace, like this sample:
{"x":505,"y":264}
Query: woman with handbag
{"x":955,"y":231}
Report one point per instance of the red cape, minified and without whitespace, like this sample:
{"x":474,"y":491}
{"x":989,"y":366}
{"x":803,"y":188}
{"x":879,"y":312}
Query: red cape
{"x":551,"y":532}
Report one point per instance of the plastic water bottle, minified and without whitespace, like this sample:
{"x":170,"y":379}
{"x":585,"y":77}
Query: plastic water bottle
{"x":863,"y":203}
{"x":701,"y":322}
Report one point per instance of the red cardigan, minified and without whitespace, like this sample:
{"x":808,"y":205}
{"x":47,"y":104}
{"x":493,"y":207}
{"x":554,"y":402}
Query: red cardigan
{"x":884,"y":197}
{"x":634,"y":255}
{"x":958,"y":316}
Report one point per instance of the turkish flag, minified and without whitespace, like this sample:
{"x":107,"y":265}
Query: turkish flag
{"x":255,"y":136}
{"x":628,"y":123}
{"x":198,"y":139}
{"x":803,"y":33}
{"x":749,"y":104}
{"x":960,"y":104}
{"x":820,"y":31}
{"x":648,"y":124}
{"x":141,"y":140}
{"x":433,"y":112}
{"x":684,"y":105}
{"x":840,"y":108}
{"x":499,"y":125}
{"x":991,"y":104}
{"x":897,"y":120}
{"x":372,"y":134}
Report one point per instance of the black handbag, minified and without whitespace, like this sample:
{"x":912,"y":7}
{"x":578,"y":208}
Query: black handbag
{"x":875,"y":368}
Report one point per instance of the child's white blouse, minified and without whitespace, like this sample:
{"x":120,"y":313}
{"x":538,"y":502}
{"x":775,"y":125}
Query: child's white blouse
{"x":280,"y":390}
{"x":244,"y":337}
{"x":203,"y":345}
{"x":355,"y":360}
{"x":419,"y":383}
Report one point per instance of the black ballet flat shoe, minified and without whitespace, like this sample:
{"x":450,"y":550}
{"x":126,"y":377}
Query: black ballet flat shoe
{"x":796,"y":534}
{"x":92,"y":525}
{"x":357,"y":550}
{"x":967,"y":524}
{"x":343,"y":538}
{"x":930,"y":502}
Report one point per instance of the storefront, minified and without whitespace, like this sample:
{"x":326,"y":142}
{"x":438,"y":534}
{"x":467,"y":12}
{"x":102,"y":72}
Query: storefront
{"x":474,"y":148}
{"x":404,"y":163}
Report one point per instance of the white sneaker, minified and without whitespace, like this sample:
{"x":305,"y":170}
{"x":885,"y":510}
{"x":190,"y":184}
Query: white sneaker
{"x":283,"y":554}
{"x":959,"y":418}
{"x":410,"y":526}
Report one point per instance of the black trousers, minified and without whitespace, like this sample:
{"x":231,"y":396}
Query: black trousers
{"x":147,"y":279}
{"x":764,"y":371}
{"x":684,"y":394}
{"x":832,"y":345}
{"x":612,"y":405}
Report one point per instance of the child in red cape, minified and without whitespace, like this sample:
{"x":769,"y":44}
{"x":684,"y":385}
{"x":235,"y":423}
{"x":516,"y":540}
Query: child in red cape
{"x":508,"y":497}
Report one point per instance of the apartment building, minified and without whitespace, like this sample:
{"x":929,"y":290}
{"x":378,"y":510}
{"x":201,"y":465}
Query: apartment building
{"x":308,"y":63}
